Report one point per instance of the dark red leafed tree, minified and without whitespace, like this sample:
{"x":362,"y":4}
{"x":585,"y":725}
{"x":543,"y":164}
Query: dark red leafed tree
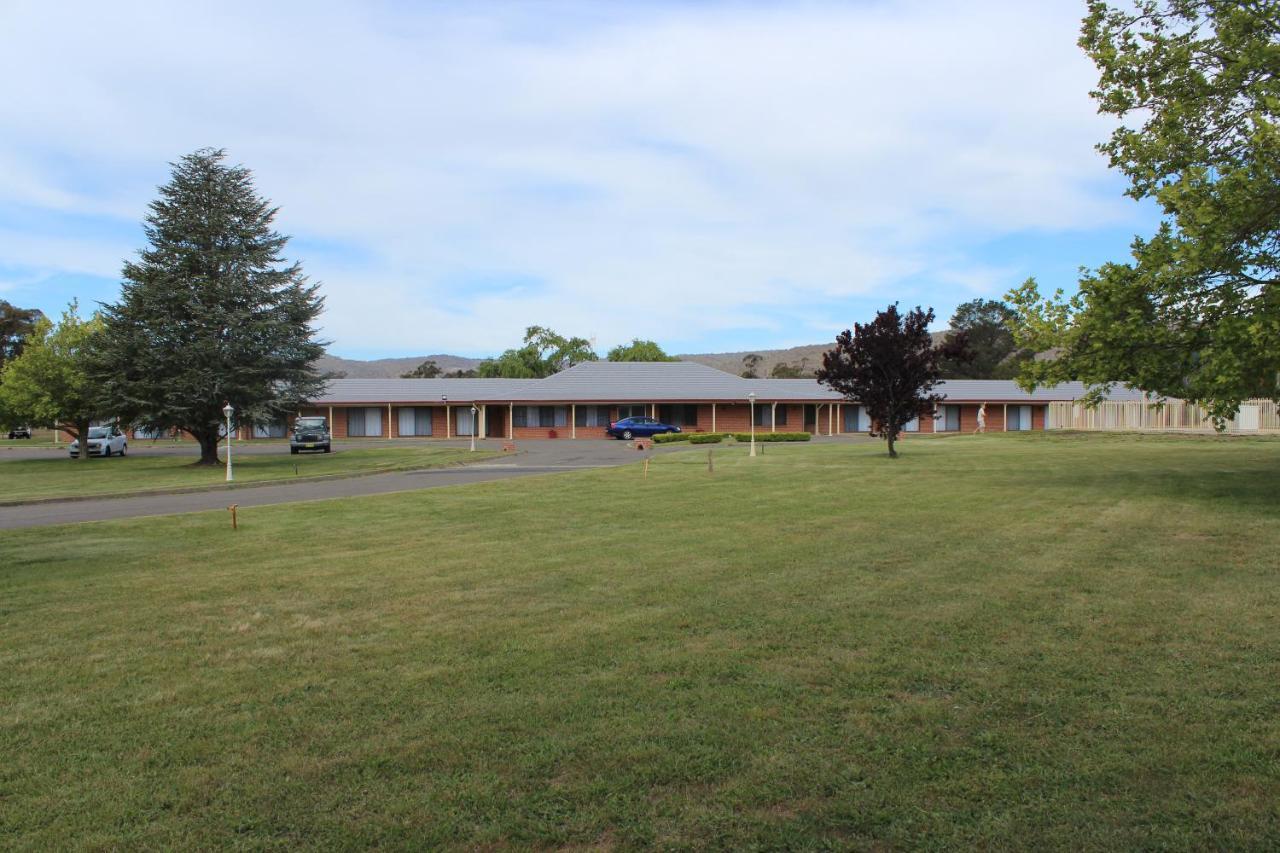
{"x":890,"y":367}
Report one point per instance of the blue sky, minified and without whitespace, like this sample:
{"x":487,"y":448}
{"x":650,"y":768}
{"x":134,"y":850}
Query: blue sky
{"x":714,"y":176}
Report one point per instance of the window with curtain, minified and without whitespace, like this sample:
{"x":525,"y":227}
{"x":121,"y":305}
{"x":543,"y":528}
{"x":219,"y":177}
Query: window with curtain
{"x":764,"y":414}
{"x":591,"y":416}
{"x":948,"y":419}
{"x":415,"y":420}
{"x":678,"y":414}
{"x":850,"y":415}
{"x":275,"y":429}
{"x":355,"y":422}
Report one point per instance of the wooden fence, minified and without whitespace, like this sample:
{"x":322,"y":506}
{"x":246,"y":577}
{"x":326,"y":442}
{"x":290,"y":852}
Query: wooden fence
{"x":1171,"y":416}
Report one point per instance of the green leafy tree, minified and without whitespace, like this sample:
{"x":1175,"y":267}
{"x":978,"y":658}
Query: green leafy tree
{"x":16,"y":325}
{"x":890,"y":367}
{"x":427,"y":370}
{"x":210,"y":311}
{"x":49,"y":383}
{"x":783,"y":370}
{"x":988,"y":327}
{"x":544,"y":352}
{"x":1196,"y":312}
{"x":750,"y":364}
{"x":639,"y":350}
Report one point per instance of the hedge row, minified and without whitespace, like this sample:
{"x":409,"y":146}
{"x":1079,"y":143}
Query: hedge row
{"x":773,"y":436}
{"x":717,"y":437}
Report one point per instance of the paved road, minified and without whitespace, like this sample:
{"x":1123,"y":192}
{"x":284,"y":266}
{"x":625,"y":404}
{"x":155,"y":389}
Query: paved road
{"x":542,"y":457}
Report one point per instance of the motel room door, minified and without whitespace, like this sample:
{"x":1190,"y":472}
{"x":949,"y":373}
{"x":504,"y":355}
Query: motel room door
{"x":495,"y":422}
{"x":810,"y":418}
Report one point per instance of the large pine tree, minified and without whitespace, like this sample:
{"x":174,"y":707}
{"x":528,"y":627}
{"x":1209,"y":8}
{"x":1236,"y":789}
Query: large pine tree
{"x":210,"y":312}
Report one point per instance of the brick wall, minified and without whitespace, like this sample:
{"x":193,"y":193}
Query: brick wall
{"x":729,"y":417}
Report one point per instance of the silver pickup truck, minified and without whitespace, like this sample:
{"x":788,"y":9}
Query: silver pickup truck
{"x":310,"y":434}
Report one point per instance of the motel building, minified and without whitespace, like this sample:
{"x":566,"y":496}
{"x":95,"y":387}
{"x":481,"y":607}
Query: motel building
{"x":581,"y":402}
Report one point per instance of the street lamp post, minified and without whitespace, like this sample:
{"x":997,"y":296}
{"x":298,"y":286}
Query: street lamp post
{"x":228,"y":410}
{"x":752,"y":397}
{"x":448,"y":427}
{"x":473,"y":427}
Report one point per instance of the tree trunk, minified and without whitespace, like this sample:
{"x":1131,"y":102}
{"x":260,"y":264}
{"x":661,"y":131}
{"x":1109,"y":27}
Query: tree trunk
{"x":82,"y":434}
{"x":889,"y":436}
{"x":208,"y":447}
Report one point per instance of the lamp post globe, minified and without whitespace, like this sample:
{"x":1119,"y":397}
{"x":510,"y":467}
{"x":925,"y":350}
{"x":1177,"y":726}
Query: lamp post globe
{"x":228,"y":410}
{"x":752,"y":397}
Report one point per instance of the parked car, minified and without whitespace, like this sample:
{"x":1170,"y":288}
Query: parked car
{"x":310,"y":434}
{"x":103,"y":441}
{"x":639,"y":427}
{"x":20,"y":432}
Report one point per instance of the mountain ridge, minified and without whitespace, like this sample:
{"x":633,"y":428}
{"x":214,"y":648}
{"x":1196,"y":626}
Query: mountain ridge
{"x":810,"y":355}
{"x":729,"y":362}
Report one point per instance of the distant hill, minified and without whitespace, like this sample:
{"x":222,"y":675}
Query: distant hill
{"x":729,"y":362}
{"x":384,"y":368}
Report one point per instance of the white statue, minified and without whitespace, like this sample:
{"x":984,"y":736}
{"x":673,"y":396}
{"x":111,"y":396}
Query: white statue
{"x":982,"y":418}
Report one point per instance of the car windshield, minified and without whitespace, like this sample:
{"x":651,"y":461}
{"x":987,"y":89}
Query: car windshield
{"x":309,"y":423}
{"x":99,"y":432}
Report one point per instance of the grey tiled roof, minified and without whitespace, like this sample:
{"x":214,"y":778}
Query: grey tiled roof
{"x":645,"y":382}
{"x":607,"y":381}
{"x":425,"y":391}
{"x":1007,"y":391}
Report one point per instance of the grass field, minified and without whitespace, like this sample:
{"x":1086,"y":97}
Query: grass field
{"x":1033,"y":642}
{"x":58,"y":476}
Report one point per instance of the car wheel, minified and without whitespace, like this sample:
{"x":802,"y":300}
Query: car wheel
{"x":293,"y":451}
{"x":123,"y":449}
{"x":327,"y":448}
{"x":626,"y":435}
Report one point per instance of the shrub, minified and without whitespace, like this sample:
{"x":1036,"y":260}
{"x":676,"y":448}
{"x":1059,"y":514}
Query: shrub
{"x":773,"y":436}
{"x":706,"y":438}
{"x":668,"y":437}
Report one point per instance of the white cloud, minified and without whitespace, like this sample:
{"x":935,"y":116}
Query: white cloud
{"x":664,"y":171}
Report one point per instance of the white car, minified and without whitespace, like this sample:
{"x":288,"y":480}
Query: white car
{"x":103,"y":441}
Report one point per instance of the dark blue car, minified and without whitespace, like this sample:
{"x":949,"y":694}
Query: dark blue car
{"x":629,"y":428}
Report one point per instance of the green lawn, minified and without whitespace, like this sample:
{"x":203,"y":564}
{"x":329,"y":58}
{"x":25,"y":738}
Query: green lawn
{"x":1009,"y":641}
{"x":59,"y":476}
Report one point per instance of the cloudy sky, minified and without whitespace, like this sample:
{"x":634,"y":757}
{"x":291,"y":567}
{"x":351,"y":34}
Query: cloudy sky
{"x":714,"y":176}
